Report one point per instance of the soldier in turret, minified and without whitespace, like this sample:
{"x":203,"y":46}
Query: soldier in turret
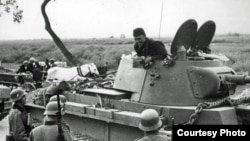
{"x":151,"y":124}
{"x":146,"y":48}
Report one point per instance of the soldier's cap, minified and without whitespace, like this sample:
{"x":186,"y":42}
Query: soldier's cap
{"x":138,"y":31}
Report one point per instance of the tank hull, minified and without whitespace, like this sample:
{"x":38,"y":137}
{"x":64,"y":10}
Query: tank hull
{"x":120,"y":123}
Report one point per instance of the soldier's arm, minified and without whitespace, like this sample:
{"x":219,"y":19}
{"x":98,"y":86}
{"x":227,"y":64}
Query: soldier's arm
{"x":160,"y":50}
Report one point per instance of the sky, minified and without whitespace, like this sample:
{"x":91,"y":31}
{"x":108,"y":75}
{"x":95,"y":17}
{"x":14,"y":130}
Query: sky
{"x":105,"y":18}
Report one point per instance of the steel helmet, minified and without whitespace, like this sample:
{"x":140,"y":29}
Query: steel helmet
{"x":62,"y":98}
{"x":150,"y":120}
{"x":52,"y":108}
{"x":17,"y":94}
{"x":52,"y":90}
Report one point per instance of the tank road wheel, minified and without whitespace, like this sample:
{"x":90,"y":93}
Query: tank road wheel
{"x":28,"y":87}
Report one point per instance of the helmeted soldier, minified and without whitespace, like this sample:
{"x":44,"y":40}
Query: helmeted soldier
{"x":56,"y":88}
{"x":49,"y":130}
{"x":65,"y":126}
{"x":151,"y":123}
{"x":45,"y":94}
{"x":19,"y":125}
{"x":62,"y":98}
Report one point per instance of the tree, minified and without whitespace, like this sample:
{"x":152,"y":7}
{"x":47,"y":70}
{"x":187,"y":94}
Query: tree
{"x":56,"y":39}
{"x":11,"y":6}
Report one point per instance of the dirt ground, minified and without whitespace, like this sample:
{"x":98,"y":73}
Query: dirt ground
{"x":4,"y":128}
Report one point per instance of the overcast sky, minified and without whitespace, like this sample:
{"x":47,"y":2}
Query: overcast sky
{"x":104,"y":18}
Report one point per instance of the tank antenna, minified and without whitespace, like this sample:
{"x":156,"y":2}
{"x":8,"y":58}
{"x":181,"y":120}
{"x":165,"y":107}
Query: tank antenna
{"x":162,"y":3}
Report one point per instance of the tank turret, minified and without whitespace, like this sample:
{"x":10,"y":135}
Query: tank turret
{"x":187,"y":82}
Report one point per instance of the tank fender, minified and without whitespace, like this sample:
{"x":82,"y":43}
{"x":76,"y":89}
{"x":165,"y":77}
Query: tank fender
{"x":204,"y":82}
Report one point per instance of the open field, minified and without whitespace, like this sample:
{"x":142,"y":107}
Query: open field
{"x":234,"y":46}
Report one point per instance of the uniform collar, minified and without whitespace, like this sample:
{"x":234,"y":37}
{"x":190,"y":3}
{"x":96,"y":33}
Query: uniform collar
{"x":50,"y":123}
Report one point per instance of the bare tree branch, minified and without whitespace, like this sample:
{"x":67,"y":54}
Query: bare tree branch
{"x":56,"y":39}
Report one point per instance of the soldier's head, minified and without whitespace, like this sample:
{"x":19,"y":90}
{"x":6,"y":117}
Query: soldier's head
{"x":52,"y":60}
{"x":139,"y":36}
{"x":150,"y":120}
{"x":32,"y":60}
{"x":25,"y":62}
{"x":62,"y":99}
{"x":18,"y":95}
{"x":52,"y":109}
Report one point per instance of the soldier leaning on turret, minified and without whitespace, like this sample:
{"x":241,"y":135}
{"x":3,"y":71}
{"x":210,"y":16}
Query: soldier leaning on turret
{"x":49,"y":131}
{"x":19,"y":123}
{"x":147,"y":48}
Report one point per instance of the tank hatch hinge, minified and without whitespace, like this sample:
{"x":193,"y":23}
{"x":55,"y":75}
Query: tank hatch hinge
{"x":153,"y":76}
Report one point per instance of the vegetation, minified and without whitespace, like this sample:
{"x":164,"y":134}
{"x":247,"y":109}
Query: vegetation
{"x":99,"y":51}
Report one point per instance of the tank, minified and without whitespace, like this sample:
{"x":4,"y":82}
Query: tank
{"x":185,"y":88}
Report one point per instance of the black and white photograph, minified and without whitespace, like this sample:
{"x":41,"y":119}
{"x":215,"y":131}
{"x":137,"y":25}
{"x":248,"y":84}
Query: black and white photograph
{"x":124,"y":70}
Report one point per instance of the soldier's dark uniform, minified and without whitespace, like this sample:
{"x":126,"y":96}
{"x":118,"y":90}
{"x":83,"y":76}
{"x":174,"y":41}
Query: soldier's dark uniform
{"x":18,"y":117}
{"x":155,"y":49}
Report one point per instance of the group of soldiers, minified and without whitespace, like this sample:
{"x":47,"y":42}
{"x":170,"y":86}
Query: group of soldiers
{"x":37,"y":70}
{"x":22,"y":129}
{"x":55,"y":128}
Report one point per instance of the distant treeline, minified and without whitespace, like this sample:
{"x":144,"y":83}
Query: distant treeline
{"x":98,"y":51}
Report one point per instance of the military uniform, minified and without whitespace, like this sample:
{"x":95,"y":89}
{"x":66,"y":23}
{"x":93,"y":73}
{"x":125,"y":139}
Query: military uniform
{"x":65,"y":127}
{"x":48,"y":132}
{"x":155,"y":49}
{"x":155,"y":136}
{"x":24,"y":69}
{"x":18,"y":127}
{"x":151,"y":124}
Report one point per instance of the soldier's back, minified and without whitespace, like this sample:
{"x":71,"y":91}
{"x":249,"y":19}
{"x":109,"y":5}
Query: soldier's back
{"x":44,"y":133}
{"x":156,"y":137}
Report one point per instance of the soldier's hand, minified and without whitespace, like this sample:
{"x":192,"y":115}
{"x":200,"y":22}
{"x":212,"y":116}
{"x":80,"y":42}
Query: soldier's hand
{"x":148,"y":59}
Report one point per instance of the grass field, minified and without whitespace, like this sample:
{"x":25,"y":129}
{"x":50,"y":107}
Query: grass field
{"x":234,"y":46}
